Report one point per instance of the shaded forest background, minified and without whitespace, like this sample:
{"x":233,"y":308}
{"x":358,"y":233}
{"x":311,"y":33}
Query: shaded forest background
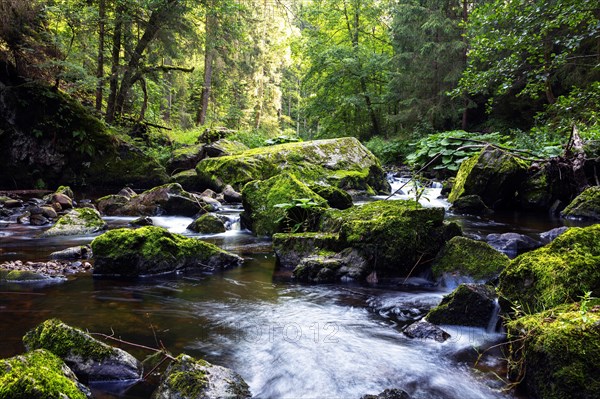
{"x":386,"y":72}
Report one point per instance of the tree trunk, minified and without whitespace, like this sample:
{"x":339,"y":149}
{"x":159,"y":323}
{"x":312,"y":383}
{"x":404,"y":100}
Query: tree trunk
{"x":115,"y":60}
{"x":100,"y":66}
{"x":209,"y":56}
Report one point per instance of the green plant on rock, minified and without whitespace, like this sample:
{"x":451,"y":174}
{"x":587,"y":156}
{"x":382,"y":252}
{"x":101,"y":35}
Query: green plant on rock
{"x":300,"y":215}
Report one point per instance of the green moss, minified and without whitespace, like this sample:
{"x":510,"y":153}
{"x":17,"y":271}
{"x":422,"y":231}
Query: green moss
{"x":557,"y":352}
{"x":188,"y":377}
{"x":207,"y":224}
{"x":23,"y":275}
{"x":78,"y":221}
{"x":585,"y":205}
{"x":458,"y":188}
{"x":37,"y":375}
{"x":66,"y":190}
{"x":469,"y":258}
{"x":395,"y":235}
{"x":63,"y":340}
{"x":557,"y":273}
{"x":338,"y":161}
{"x":468,"y":305}
{"x":260,"y":197}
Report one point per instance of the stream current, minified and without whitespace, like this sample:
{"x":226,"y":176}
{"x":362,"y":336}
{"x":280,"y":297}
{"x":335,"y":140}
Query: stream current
{"x":287,"y":340}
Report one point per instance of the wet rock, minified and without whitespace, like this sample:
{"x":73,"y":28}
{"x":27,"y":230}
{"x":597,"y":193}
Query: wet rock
{"x":555,"y":354}
{"x":558,"y":272}
{"x":153,"y":250}
{"x":290,"y":249}
{"x":550,"y":235}
{"x":49,"y":212}
{"x":346,"y":265}
{"x":512,"y":244}
{"x":65,"y":190}
{"x":493,"y":174}
{"x":185,"y":158}
{"x":396,"y":236}
{"x":52,"y":271}
{"x":13,"y":203}
{"x":343,"y":162}
{"x":80,"y":221}
{"x":471,"y":205}
{"x":224,"y":147}
{"x":208,"y":224}
{"x":38,"y":220}
{"x":111,"y":205}
{"x":188,"y":179}
{"x":127,"y":192}
{"x":546,"y":184}
{"x":426,"y":330}
{"x":585,"y":206}
{"x":39,"y":374}
{"x":468,"y":305}
{"x":262,"y":200}
{"x":465,"y":257}
{"x":142,"y":221}
{"x":79,"y":252}
{"x":62,"y":199}
{"x":231,"y":196}
{"x":90,"y":359}
{"x":188,"y":378}
{"x":335,"y":197}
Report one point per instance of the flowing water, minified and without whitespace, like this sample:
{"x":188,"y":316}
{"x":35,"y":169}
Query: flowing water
{"x":287,"y":340}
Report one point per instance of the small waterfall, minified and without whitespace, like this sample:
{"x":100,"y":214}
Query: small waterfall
{"x":491,"y":328}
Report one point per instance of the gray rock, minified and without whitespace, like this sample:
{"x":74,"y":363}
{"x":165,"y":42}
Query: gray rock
{"x":426,"y":330}
{"x":231,"y":196}
{"x":188,"y":378}
{"x":512,"y":244}
{"x":549,"y":236}
{"x":13,"y":203}
{"x":90,"y":359}
{"x":127,"y":192}
{"x":38,"y":220}
{"x":142,"y":221}
{"x":80,"y":252}
{"x":471,"y":205}
{"x":80,"y":221}
{"x":389,"y":394}
{"x":468,"y":305}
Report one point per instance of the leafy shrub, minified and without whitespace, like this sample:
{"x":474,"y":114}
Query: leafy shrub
{"x":454,"y":147}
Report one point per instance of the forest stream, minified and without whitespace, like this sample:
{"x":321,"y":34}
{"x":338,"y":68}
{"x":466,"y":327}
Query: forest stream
{"x":287,"y":340}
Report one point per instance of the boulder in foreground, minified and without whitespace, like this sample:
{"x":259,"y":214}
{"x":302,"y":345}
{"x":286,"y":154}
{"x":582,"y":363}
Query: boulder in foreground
{"x":80,"y":221}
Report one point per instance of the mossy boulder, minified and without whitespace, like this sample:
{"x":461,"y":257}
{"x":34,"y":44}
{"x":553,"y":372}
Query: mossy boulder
{"x":111,"y":205}
{"x":224,"y":147}
{"x":335,"y":197}
{"x":468,"y":305}
{"x":556,"y":353}
{"x":90,"y":359}
{"x":423,"y":329}
{"x":399,"y":237}
{"x":154,"y":250}
{"x":559,"y":272}
{"x":39,"y":375}
{"x":79,"y":221}
{"x":493,"y":174}
{"x":185,"y":158}
{"x":343,"y":162}
{"x":467,"y":257}
{"x":470,"y":205}
{"x":546,"y":185}
{"x":291,"y":248}
{"x":346,"y":265}
{"x":188,"y":378}
{"x":208,"y":224}
{"x":261,"y":199}
{"x":188,"y":179}
{"x":168,"y":199}
{"x":585,"y":206}
{"x":65,"y":190}
{"x":52,"y":138}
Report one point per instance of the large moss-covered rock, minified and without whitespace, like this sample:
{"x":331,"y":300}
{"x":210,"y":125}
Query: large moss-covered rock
{"x":556,"y":353}
{"x":168,"y":199}
{"x":547,"y":184}
{"x":80,"y":221}
{"x":38,"y":375}
{"x":224,"y":147}
{"x":335,"y":197}
{"x":90,"y":359}
{"x":471,"y":258}
{"x":188,"y":378}
{"x":557,"y":273}
{"x":185,"y":158}
{"x":468,"y":305}
{"x":153,"y":250}
{"x":188,"y":179}
{"x":493,"y":174}
{"x":47,"y":136}
{"x":586,"y":205}
{"x":344,"y":163}
{"x":291,"y":248}
{"x":397,"y":236}
{"x":261,"y":200}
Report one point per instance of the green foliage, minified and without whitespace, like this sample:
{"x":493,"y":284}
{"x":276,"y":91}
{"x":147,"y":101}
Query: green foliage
{"x":301,"y":215}
{"x":389,"y":152}
{"x":453,"y":147}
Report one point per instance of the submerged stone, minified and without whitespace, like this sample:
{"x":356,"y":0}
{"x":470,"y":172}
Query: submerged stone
{"x":188,"y":378}
{"x":556,"y":273}
{"x":79,"y":221}
{"x":39,"y":375}
{"x":585,"y":206}
{"x":90,"y":359}
{"x":426,"y":330}
{"x":470,"y":258}
{"x":389,"y":394}
{"x":468,"y":305}
{"x":153,"y":250}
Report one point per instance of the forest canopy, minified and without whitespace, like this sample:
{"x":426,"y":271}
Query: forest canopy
{"x":373,"y":69}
